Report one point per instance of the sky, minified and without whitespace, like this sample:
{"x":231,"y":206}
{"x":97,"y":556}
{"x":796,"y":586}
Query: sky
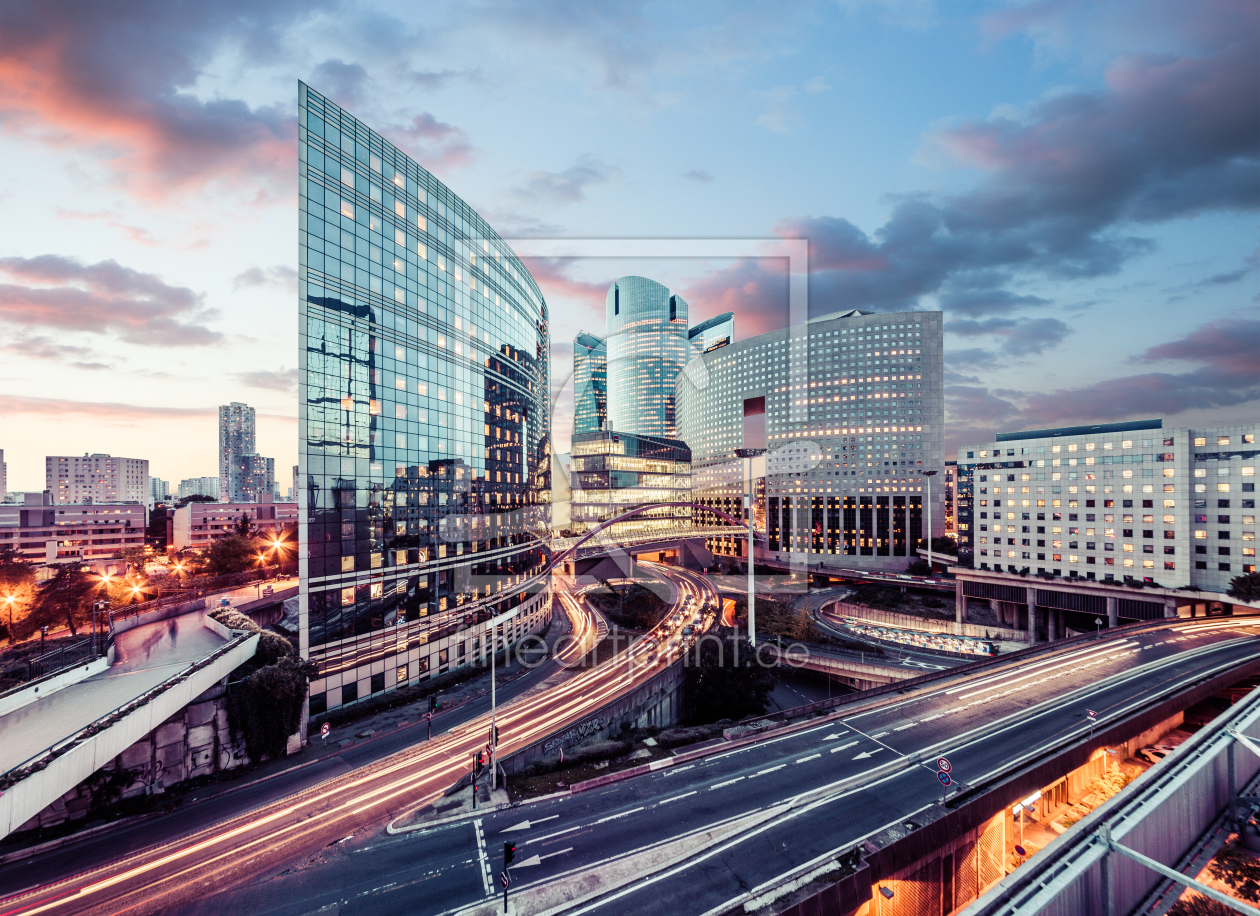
{"x":1075,"y":184}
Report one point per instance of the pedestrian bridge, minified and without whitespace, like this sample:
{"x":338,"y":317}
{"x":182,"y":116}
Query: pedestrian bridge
{"x":61,"y":729}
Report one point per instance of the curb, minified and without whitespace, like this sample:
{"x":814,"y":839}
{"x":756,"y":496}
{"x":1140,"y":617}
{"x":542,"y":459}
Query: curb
{"x":467,"y":815}
{"x":48,"y":846}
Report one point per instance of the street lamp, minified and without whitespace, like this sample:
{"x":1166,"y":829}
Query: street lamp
{"x":749,"y":454}
{"x":929,"y":475}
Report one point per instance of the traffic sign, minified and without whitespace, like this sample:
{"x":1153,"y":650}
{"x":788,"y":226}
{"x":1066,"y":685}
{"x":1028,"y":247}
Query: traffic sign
{"x":1020,"y":851}
{"x":325,"y":729}
{"x":944,"y":778}
{"x":505,"y":879}
{"x":1091,"y":713}
{"x":943,"y":764}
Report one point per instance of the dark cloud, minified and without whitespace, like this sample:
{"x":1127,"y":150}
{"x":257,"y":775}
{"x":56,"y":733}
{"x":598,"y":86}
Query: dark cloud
{"x":277,"y":380}
{"x":1233,"y":345}
{"x":432,"y":143}
{"x":1165,"y":138}
{"x":970,"y":357}
{"x":698,"y":175}
{"x":339,"y":81}
{"x":116,"y":79}
{"x":281,"y":275}
{"x":568,"y":186}
{"x":1020,"y":336}
{"x":976,"y":303}
{"x":101,"y":298}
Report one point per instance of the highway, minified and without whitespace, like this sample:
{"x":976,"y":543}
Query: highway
{"x":269,"y":837}
{"x":795,"y":799}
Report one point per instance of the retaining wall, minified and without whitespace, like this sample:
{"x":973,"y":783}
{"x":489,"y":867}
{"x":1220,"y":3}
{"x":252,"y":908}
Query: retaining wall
{"x":926,"y":625}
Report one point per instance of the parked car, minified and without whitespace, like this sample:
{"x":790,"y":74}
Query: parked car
{"x":1155,"y":752}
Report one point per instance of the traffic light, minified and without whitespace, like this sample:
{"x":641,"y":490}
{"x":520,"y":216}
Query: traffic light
{"x":509,"y":853}
{"x":482,"y":759}
{"x":433,"y":703}
{"x":494,"y":736}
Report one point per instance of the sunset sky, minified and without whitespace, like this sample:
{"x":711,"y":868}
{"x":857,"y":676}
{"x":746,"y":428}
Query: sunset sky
{"x":1076,"y":184}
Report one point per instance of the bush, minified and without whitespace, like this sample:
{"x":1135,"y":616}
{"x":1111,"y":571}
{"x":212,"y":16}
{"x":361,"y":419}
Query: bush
{"x":266,"y":707}
{"x":234,"y":619}
{"x":272,"y":647}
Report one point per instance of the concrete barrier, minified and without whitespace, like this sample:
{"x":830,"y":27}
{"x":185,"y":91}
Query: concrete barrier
{"x":838,"y":609}
{"x":44,"y":686}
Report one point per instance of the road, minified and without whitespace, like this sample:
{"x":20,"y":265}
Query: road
{"x":216,"y":853}
{"x":822,"y":790}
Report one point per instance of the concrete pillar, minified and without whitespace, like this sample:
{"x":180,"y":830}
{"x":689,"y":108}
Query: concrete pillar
{"x":1113,"y":611}
{"x":960,"y":607}
{"x":1170,"y":606}
{"x":1032,"y":616}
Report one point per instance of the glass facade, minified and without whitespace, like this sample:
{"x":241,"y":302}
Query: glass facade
{"x":613,"y":473}
{"x":590,"y":383}
{"x":424,"y":419}
{"x":712,"y":334}
{"x":647,"y":346}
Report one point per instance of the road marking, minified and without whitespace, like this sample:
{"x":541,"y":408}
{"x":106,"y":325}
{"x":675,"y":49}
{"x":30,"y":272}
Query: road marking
{"x":537,"y":860}
{"x":1148,"y":647}
{"x":550,"y":836}
{"x":843,"y":747}
{"x":865,"y":754}
{"x":902,"y":728}
{"x":930,"y":718}
{"x":481,"y":853}
{"x":770,"y":770}
{"x":613,"y":817}
{"x":525,"y":825}
{"x":811,"y":757}
{"x":727,"y":783}
{"x":690,"y":766}
{"x":836,"y":735}
{"x":880,"y":735}
{"x":677,"y":797}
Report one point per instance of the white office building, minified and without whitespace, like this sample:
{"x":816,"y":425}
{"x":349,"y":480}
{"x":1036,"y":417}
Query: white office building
{"x":850,"y":407}
{"x":1174,"y":507}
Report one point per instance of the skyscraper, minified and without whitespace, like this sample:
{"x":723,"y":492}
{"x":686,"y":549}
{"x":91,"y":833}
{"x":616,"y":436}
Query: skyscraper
{"x":4,"y":477}
{"x":424,"y":419}
{"x":236,"y":444}
{"x":590,"y":383}
{"x":647,"y":347}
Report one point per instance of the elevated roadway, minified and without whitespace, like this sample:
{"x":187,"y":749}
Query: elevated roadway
{"x":267,"y":839}
{"x":711,"y":834}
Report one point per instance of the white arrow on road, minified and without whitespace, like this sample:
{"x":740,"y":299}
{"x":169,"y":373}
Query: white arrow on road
{"x":865,"y":754}
{"x":537,"y":860}
{"x":525,"y":825}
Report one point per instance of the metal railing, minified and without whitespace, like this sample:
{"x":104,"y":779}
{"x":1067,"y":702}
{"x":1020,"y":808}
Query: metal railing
{"x":69,"y":655}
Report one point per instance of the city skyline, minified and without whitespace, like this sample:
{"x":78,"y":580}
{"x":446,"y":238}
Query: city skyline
{"x":1003,"y":190}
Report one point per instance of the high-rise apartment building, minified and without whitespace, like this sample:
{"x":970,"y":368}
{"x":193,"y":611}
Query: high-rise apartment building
{"x":198,"y":486}
{"x":718,"y":331}
{"x":590,"y":383}
{"x":71,"y":480}
{"x":424,"y":419}
{"x":1113,"y":501}
{"x":647,"y":347}
{"x":236,"y":445}
{"x":851,"y":408}
{"x":4,"y":477}
{"x":159,"y":491}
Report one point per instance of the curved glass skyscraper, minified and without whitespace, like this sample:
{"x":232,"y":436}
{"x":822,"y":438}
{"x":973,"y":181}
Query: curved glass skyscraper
{"x":590,"y":383}
{"x":424,"y":419}
{"x":647,"y":347}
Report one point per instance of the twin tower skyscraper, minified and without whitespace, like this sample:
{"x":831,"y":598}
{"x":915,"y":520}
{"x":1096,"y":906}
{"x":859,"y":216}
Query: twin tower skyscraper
{"x":624,"y":381}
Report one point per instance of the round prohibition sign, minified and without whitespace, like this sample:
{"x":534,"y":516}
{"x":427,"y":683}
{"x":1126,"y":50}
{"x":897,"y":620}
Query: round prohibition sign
{"x":943,"y":764}
{"x":944,"y":778}
{"x":325,"y":729}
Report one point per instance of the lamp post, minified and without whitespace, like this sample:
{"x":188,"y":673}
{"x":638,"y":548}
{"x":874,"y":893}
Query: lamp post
{"x":748,"y":454}
{"x":928,"y":538}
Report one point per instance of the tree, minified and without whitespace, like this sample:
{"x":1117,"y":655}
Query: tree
{"x":17,"y":591}
{"x":136,"y":557}
{"x":1245,"y":588}
{"x":244,"y":526}
{"x":266,"y":707}
{"x":66,"y":597}
{"x":195,"y":498}
{"x":724,"y":681}
{"x":918,"y":567}
{"x":231,"y":554}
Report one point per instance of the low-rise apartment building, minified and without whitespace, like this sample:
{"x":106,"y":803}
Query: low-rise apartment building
{"x":200,"y":524}
{"x":43,"y":533}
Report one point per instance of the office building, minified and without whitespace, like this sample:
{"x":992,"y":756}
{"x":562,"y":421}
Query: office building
{"x":612,"y":473}
{"x":198,"y":486}
{"x":44,"y":533}
{"x":1115,"y":501}
{"x":590,"y":383}
{"x":199,"y":524}
{"x":71,"y":480}
{"x":159,"y":491}
{"x":949,"y":478}
{"x":424,"y":419}
{"x":712,"y":334}
{"x":851,"y":409}
{"x":4,"y":478}
{"x":647,"y":347}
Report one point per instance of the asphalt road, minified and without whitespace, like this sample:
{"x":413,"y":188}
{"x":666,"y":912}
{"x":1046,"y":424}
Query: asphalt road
{"x":261,"y":829}
{"x":829,"y":776}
